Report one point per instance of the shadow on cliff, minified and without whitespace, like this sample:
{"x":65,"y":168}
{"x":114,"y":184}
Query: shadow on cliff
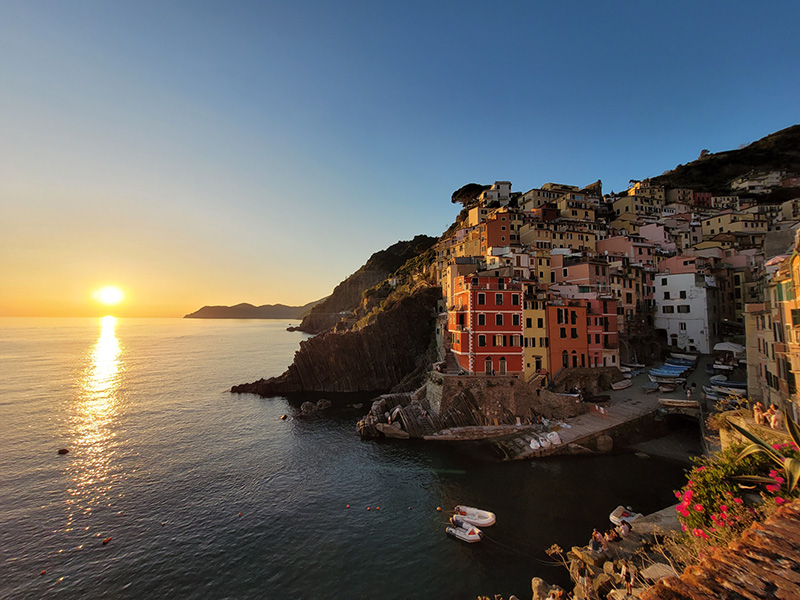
{"x":394,"y":350}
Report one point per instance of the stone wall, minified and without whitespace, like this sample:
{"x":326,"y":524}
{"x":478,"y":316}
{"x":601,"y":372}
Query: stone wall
{"x":500,"y":399}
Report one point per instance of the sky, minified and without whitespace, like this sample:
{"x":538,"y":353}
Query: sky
{"x":197,"y":153}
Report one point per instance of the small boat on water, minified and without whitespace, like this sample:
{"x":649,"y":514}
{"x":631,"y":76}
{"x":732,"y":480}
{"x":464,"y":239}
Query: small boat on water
{"x":681,"y":362}
{"x":666,"y":387}
{"x":475,"y":516}
{"x":633,"y":365}
{"x":464,"y":531}
{"x":718,"y":379}
{"x":621,"y":385}
{"x":718,"y":366}
{"x":620,"y":514}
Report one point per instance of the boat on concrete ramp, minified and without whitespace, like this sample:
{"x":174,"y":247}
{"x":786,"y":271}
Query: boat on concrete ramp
{"x":464,"y":531}
{"x":475,"y":516}
{"x":621,"y":513}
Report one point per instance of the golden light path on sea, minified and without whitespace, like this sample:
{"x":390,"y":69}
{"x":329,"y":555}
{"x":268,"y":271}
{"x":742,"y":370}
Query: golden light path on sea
{"x":91,"y":422}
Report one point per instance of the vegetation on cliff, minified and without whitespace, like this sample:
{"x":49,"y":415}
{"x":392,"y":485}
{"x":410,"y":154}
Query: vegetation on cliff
{"x":713,"y":172}
{"x":348,"y":295}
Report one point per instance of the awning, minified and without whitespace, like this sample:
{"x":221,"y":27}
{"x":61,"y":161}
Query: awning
{"x":729,"y":347}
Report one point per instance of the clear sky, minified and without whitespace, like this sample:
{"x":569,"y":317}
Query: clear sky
{"x":199,"y":153}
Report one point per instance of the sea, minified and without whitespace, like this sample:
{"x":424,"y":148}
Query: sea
{"x":175,"y":488}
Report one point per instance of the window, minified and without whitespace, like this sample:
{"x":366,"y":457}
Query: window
{"x":540,"y":323}
{"x":666,"y":295}
{"x":498,"y":319}
{"x":663,"y":281}
{"x":563,"y":332}
{"x":795,"y":317}
{"x":481,"y":340}
{"x":683,"y":326}
{"x":515,"y":299}
{"x":574,"y":317}
{"x":596,"y":338}
{"x":564,"y":359}
{"x":515,"y":320}
{"x":544,"y":342}
{"x":683,"y":308}
{"x":528,"y":323}
{"x":481,"y":319}
{"x":481,"y":298}
{"x":499,"y":340}
{"x":498,"y":299}
{"x":574,"y":333}
{"x":668,"y":309}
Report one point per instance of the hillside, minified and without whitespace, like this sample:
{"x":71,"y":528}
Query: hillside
{"x":347,"y":296}
{"x":248,"y":311}
{"x":779,"y":151}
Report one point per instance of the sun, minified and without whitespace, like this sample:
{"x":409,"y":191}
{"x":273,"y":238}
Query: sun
{"x":109,"y":295}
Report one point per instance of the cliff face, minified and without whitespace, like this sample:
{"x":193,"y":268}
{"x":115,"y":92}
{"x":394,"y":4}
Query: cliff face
{"x":372,"y":359}
{"x":347,"y":296}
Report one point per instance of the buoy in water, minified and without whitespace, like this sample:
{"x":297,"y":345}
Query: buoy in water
{"x":63,"y":450}
{"x":240,"y":514}
{"x":348,"y":506}
{"x":439,"y":508}
{"x":368,"y":508}
{"x":105,"y":541}
{"x":377,"y":508}
{"x":43,"y":572}
{"x":283,"y":417}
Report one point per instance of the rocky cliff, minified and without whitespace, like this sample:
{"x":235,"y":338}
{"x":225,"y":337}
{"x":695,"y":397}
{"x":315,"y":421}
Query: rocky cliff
{"x":347,"y":296}
{"x":377,"y":357}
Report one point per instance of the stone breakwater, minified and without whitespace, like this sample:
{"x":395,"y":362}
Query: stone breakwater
{"x":393,"y":350}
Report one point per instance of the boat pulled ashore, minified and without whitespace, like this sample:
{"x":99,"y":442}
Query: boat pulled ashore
{"x":621,"y":513}
{"x":475,"y":516}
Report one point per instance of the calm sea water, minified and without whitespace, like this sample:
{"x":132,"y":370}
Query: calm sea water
{"x":205,"y":494}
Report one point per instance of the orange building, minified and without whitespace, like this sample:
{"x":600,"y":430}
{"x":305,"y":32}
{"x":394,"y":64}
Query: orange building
{"x":569,"y":343}
{"x":486,"y":325}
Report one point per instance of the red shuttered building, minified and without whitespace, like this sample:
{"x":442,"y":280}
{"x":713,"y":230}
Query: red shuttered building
{"x":486,"y":325}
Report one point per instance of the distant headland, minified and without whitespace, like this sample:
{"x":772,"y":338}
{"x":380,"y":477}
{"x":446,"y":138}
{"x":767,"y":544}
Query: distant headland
{"x":248,"y":311}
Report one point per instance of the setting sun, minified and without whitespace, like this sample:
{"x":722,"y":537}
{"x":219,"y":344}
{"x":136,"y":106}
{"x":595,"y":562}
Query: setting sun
{"x":109,"y":295}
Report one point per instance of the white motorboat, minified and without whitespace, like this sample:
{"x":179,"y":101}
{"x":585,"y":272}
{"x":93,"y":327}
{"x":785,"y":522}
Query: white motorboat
{"x":464,"y":531}
{"x":475,"y":516}
{"x":729,"y":391}
{"x":620,"y":514}
{"x":621,"y":385}
{"x":678,"y":403}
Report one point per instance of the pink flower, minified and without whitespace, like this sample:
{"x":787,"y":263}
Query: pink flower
{"x":699,"y":533}
{"x":776,"y":446}
{"x":723,"y":507}
{"x":698,"y":507}
{"x":773,"y":473}
{"x":779,"y":479}
{"x":687,"y":495}
{"x":773,"y":488}
{"x":701,"y":469}
{"x":738,"y":500}
{"x":683,"y":527}
{"x":779,"y":500}
{"x":678,"y":495}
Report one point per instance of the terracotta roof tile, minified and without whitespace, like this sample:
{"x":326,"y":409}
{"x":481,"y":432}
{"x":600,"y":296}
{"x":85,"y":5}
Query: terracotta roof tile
{"x":764,"y":563}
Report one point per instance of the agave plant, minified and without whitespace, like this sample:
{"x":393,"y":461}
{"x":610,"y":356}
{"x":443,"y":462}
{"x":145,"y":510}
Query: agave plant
{"x":790,"y":466}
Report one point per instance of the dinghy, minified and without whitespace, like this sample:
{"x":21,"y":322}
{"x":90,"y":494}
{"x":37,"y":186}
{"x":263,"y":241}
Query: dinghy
{"x":554,"y":438}
{"x":621,"y":385}
{"x":650,"y":387}
{"x":621,"y":513}
{"x":544,"y":442}
{"x":475,"y":516}
{"x":678,"y":403}
{"x":535,"y":445}
{"x":666,"y":387}
{"x":464,"y":531}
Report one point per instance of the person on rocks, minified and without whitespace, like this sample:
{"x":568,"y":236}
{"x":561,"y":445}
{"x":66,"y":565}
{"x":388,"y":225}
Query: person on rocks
{"x":758,"y":413}
{"x":624,"y":528}
{"x":627,"y":577}
{"x":583,"y":579}
{"x":776,"y":419}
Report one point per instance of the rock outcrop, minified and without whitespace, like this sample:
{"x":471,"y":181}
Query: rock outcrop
{"x":248,"y":311}
{"x":347,"y":296}
{"x":372,"y":359}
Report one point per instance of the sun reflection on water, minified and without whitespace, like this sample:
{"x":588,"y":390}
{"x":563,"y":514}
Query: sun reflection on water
{"x":92,"y":424}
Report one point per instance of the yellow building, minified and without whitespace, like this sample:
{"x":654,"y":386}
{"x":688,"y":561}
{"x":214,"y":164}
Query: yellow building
{"x":535,"y":332}
{"x":733,"y":222}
